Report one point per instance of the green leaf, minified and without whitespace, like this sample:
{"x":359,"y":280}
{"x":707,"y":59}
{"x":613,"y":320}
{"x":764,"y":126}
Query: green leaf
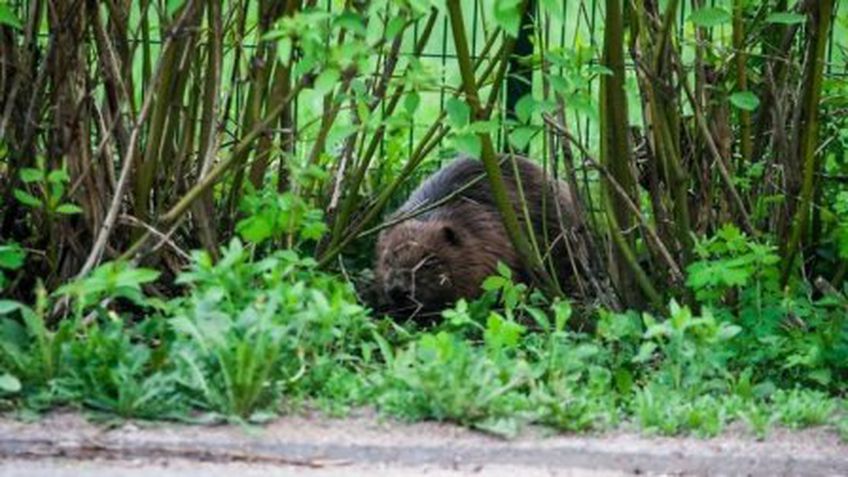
{"x":521,"y":136}
{"x":29,"y":174}
{"x":69,"y":209}
{"x":26,"y":198}
{"x":458,"y":112}
{"x":508,"y":15}
{"x":8,"y":17}
{"x":468,"y":143}
{"x":130,"y":276}
{"x":273,"y":35}
{"x":172,"y":6}
{"x":313,"y":230}
{"x":709,"y":17}
{"x":493,"y":283}
{"x":478,"y":127}
{"x":504,"y":270}
{"x":623,"y":381}
{"x":599,"y":70}
{"x":560,"y":84}
{"x":284,"y":49}
{"x":554,"y":7}
{"x":58,"y":176}
{"x":646,"y":351}
{"x":351,"y":21}
{"x":11,"y":256}
{"x":395,"y":26}
{"x":255,"y":229}
{"x":9,"y":383}
{"x":745,"y":100}
{"x":506,"y":427}
{"x":326,"y":81}
{"x":562,"y":313}
{"x":524,"y":108}
{"x":501,"y":333}
{"x":8,"y":306}
{"x":786,"y":18}
{"x":411,"y":102}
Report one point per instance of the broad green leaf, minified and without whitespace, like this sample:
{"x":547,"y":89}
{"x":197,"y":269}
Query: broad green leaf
{"x":29,"y":174}
{"x":554,"y":7}
{"x":326,"y":81}
{"x":255,"y":229}
{"x":273,"y":35}
{"x":8,"y":306}
{"x":560,"y":84}
{"x":508,"y":15}
{"x":505,"y":427}
{"x":313,"y":230}
{"x":501,"y":333}
{"x":493,"y":282}
{"x":709,"y":17}
{"x":524,"y":108}
{"x":539,"y":316}
{"x":490,"y":127}
{"x":11,"y":256}
{"x":745,"y":100}
{"x":395,"y":26}
{"x":468,"y":143}
{"x":458,"y":112}
{"x":8,"y":17}
{"x":173,"y":5}
{"x":58,"y":176}
{"x":728,"y":331}
{"x":26,"y":198}
{"x":521,"y":136}
{"x":9,"y":383}
{"x":786,"y":18}
{"x":69,"y":209}
{"x":504,"y":270}
{"x":599,"y":70}
{"x":284,"y":49}
{"x":351,"y":21}
{"x":646,"y":351}
{"x":411,"y":102}
{"x":623,"y":381}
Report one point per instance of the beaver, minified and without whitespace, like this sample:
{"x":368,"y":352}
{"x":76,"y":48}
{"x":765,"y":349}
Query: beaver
{"x":448,"y":236}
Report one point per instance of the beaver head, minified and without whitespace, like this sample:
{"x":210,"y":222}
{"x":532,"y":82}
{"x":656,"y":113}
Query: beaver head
{"x":414,"y":264}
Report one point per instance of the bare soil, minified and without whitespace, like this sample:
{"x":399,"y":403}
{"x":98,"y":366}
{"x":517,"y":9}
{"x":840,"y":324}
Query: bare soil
{"x":65,"y":443}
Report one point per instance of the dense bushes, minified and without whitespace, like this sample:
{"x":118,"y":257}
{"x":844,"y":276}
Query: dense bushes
{"x":251,"y":336}
{"x":704,"y":148}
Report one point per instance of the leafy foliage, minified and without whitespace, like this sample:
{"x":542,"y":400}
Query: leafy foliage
{"x":289,"y":150}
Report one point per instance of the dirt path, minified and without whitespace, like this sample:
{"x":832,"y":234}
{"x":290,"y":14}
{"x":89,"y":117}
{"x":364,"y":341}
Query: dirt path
{"x":65,"y":444}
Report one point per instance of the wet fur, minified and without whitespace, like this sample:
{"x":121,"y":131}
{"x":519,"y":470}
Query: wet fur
{"x":428,"y":262}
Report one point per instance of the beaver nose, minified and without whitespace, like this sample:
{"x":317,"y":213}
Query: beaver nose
{"x":398,"y":294}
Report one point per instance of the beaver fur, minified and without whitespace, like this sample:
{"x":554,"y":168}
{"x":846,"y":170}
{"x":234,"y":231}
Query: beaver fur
{"x":427,"y":262}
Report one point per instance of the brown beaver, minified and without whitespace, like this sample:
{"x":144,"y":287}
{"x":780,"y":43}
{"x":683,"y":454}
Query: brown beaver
{"x":427,"y":262}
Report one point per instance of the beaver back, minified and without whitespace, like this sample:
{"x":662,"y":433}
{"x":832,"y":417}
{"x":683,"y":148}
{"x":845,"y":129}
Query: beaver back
{"x":460,"y":204}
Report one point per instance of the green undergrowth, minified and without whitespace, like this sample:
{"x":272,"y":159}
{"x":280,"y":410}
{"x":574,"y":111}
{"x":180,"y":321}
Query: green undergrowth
{"x":258,"y":333}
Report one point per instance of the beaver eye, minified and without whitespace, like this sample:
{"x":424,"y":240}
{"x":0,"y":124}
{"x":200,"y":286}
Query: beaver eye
{"x":426,"y":261}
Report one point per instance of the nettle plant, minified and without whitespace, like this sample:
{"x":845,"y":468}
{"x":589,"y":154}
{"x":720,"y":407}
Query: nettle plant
{"x":734,"y":271}
{"x":786,"y":334}
{"x":46,"y":190}
{"x":46,"y":193}
{"x":251,"y":331}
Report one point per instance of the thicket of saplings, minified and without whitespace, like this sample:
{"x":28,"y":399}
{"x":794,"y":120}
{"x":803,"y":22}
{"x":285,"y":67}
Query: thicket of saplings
{"x":705,"y":148}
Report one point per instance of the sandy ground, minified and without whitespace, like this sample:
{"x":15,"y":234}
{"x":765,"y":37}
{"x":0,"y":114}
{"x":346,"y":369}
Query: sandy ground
{"x":65,"y":444}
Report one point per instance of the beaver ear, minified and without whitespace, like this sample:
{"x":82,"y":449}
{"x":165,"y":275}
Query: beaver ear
{"x":451,"y":236}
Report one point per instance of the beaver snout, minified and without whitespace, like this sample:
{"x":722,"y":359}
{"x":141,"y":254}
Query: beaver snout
{"x":397,"y":287}
{"x":398,"y":294}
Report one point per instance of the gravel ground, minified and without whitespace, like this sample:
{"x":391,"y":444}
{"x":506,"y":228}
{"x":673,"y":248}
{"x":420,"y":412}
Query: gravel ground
{"x":65,"y":444}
